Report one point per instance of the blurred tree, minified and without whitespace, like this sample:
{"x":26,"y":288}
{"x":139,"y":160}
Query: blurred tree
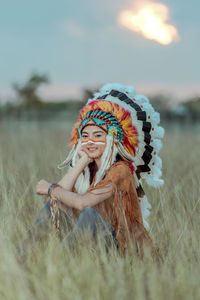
{"x":193,"y":106}
{"x":161,"y":102}
{"x":88,"y":93}
{"x":27,"y":93}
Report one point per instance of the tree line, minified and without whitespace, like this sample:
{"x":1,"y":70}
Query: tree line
{"x":29,"y":102}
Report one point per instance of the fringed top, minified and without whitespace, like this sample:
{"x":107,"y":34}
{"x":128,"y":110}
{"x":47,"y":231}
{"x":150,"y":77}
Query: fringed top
{"x":122,"y":210}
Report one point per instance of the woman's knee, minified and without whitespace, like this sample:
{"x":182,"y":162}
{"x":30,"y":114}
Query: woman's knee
{"x":87,"y":215}
{"x":88,"y":211}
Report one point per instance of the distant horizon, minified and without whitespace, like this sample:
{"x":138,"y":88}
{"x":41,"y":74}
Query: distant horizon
{"x":61,"y":92}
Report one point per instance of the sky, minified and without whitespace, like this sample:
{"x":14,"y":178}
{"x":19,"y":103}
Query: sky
{"x":81,"y":44}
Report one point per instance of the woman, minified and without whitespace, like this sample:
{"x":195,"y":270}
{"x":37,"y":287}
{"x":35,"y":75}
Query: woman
{"x":114,"y":145}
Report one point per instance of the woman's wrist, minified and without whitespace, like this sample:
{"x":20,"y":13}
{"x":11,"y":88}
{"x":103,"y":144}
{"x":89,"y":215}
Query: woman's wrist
{"x":51,"y":188}
{"x":83,"y":162}
{"x":42,"y":187}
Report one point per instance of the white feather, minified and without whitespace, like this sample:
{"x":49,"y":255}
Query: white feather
{"x":157,"y":145}
{"x":159,"y":132}
{"x":141,"y":99}
{"x":145,"y":210}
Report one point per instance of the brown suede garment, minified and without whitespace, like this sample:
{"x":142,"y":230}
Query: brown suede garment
{"x":122,"y":210}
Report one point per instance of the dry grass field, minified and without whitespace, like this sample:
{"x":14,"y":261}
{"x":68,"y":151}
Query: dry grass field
{"x":30,"y":152}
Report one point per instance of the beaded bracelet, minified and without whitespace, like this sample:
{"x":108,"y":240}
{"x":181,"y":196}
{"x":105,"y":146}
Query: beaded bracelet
{"x":52,"y":187}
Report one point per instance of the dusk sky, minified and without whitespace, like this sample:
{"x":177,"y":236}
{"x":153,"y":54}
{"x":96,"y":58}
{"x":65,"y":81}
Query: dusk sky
{"x":82,"y":44}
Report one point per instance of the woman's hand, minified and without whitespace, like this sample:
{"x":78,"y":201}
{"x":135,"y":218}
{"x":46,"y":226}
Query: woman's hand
{"x":69,"y":180}
{"x":42,"y":187}
{"x":84,"y":158}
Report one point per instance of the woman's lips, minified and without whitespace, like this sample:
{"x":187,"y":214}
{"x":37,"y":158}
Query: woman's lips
{"x":91,"y":149}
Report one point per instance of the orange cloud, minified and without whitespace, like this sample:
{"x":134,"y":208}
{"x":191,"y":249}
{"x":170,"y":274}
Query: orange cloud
{"x":150,"y":20}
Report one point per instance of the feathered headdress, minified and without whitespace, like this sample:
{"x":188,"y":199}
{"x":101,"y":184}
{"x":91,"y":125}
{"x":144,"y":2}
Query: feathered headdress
{"x":133,"y":132}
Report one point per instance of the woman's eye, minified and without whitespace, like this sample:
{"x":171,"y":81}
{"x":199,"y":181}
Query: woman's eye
{"x":98,"y":135}
{"x":84,"y":136}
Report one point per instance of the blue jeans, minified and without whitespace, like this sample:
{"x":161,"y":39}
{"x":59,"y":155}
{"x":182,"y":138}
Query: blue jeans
{"x":89,"y":220}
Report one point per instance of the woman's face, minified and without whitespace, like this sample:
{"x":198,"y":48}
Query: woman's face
{"x":93,"y":141}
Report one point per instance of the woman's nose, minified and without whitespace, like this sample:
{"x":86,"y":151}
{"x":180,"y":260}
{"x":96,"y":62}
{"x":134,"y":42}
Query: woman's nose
{"x":90,"y":142}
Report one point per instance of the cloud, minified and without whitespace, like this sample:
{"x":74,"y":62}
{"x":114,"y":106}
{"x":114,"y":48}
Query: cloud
{"x":177,"y":91}
{"x":61,"y":91}
{"x":72,"y":28}
{"x":150,"y":20}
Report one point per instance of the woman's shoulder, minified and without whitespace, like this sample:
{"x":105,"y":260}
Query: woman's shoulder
{"x":122,"y":165}
{"x":119,"y":169}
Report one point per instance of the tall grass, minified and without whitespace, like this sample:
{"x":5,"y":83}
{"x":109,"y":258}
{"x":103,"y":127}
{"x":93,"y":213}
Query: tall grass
{"x":31,"y":152}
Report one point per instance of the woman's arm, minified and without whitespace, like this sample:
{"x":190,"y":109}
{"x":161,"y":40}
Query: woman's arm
{"x":80,"y":202}
{"x":75,"y":200}
{"x":68,"y":181}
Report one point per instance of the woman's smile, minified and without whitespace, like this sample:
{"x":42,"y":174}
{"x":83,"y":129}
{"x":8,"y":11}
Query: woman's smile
{"x":91,"y":149}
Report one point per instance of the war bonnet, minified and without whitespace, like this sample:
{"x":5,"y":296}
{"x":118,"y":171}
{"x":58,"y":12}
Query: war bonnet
{"x":132,"y":125}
